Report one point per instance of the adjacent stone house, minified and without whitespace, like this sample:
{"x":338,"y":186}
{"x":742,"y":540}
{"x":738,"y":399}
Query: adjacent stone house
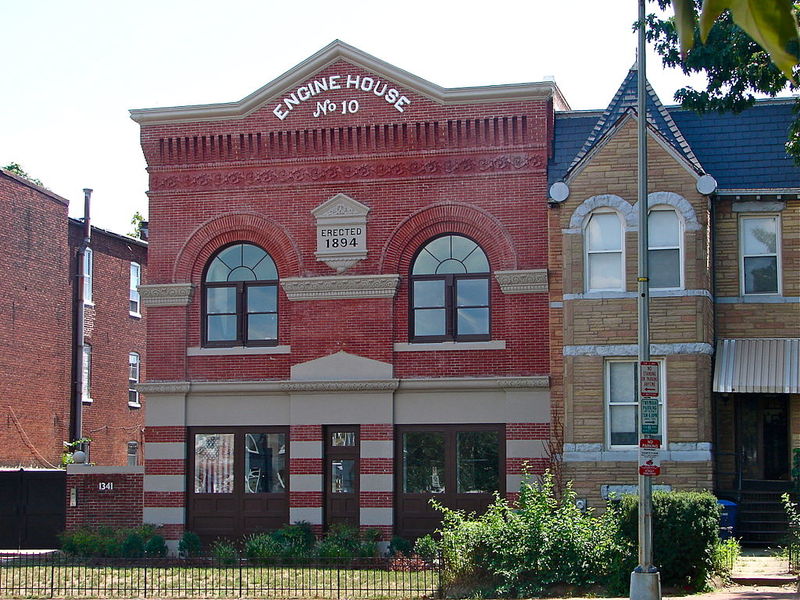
{"x":725,"y":309}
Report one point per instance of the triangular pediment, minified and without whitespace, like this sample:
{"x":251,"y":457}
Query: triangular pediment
{"x":341,"y":366}
{"x":317,"y":71}
{"x":341,"y":205}
{"x":628,"y":115}
{"x":622,"y":107}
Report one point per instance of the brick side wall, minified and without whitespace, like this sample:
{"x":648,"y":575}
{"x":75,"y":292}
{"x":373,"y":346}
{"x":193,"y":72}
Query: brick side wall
{"x":112,"y":333}
{"x":35,"y":312}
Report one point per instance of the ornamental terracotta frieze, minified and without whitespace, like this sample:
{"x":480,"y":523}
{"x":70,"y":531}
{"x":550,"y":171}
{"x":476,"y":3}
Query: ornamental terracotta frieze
{"x":384,"y":169}
{"x":341,"y":286}
{"x":522,"y":282}
{"x":340,"y":386}
{"x":166,"y":294}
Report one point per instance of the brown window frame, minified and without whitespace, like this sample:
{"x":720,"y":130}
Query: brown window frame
{"x":238,"y":496}
{"x":451,"y":497}
{"x":241,"y":313}
{"x":451,"y":310}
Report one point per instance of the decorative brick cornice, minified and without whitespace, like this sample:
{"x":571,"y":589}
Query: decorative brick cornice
{"x":522,"y":282}
{"x":340,"y":386}
{"x":536,"y":381}
{"x":166,"y":294}
{"x":223,"y":178}
{"x":477,"y":383}
{"x":340,"y":286}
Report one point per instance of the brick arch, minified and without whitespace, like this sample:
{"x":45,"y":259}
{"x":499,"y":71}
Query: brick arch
{"x":235,"y":227}
{"x":449,"y":217}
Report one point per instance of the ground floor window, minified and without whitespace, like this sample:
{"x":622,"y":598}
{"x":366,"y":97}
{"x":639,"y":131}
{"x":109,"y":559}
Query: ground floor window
{"x":622,"y":403}
{"x":462,"y":466}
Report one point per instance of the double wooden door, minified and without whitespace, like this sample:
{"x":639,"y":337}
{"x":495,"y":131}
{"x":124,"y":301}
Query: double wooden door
{"x":238,"y":481}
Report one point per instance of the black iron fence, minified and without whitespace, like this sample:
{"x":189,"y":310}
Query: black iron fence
{"x":793,"y":548}
{"x":60,"y":576}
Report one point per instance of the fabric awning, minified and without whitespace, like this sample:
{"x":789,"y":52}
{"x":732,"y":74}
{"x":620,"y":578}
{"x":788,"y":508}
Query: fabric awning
{"x":758,"y":365}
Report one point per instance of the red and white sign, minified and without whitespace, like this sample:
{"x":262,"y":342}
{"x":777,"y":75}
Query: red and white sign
{"x":649,"y":457}
{"x":648,"y":379}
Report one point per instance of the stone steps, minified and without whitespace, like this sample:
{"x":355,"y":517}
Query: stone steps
{"x":762,"y":568}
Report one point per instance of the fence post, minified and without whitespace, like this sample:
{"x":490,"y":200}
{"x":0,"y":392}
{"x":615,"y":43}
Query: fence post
{"x":240,"y":577}
{"x":439,"y":569}
{"x":145,"y":578}
{"x":52,"y":575}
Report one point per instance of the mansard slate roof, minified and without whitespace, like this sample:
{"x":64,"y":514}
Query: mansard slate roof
{"x":745,"y":151}
{"x":742,"y":152}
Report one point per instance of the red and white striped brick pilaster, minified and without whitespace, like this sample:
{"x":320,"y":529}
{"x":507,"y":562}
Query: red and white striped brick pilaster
{"x":376,"y":497}
{"x":526,"y":451}
{"x":305,"y":474}
{"x":165,"y":480}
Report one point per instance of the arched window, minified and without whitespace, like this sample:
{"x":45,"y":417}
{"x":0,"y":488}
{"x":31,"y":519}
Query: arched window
{"x":665,"y":245}
{"x":449,"y":291}
{"x":603,"y":242}
{"x":240,"y":298}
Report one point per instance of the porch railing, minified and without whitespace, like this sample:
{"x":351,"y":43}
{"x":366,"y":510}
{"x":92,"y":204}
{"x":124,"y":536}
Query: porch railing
{"x":59,"y":576}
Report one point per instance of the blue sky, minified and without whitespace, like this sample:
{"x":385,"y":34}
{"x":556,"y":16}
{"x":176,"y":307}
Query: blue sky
{"x":72,"y":69}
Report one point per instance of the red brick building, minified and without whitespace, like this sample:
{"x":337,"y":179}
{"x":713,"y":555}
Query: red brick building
{"x":347,"y":299}
{"x":37,"y":316}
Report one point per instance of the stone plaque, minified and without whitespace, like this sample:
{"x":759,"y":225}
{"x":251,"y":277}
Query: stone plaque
{"x":341,"y":232}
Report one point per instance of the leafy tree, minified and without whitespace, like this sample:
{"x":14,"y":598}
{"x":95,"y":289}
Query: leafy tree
{"x":736,"y":67}
{"x":17,"y":169}
{"x":137,"y":220}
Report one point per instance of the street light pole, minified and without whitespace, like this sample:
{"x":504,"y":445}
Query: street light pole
{"x":645,"y":581}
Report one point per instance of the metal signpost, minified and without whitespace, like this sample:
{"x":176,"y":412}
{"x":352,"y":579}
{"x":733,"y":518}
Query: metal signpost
{"x":645,"y":581}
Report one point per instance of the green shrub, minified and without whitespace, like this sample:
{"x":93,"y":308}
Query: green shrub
{"x":156,"y":547}
{"x":685,"y":535}
{"x":107,"y":541}
{"x":190,"y":544}
{"x":400,"y":546}
{"x":341,"y":541}
{"x":725,"y":554}
{"x":132,"y":546}
{"x":260,"y":547}
{"x":346,"y":541}
{"x":82,"y":542}
{"x":296,"y":540}
{"x":426,"y":548}
{"x":521,"y":551}
{"x":793,"y":541}
{"x":224,"y":551}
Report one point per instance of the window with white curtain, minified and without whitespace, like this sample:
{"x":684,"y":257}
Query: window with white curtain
{"x":133,"y":295}
{"x":88,"y":268}
{"x":133,"y":379}
{"x":759,"y":256}
{"x":86,"y":389}
{"x":604,"y":252}
{"x":665,"y":249}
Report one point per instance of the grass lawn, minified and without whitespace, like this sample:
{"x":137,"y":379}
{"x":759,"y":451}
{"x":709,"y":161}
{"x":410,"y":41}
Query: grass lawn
{"x":175,"y":581}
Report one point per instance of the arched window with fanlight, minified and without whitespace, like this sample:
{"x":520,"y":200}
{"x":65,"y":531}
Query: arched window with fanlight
{"x":240,"y":298}
{"x":450,"y":291}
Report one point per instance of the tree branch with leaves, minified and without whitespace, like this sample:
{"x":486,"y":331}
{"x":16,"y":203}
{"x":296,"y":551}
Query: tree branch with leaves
{"x":744,"y":48}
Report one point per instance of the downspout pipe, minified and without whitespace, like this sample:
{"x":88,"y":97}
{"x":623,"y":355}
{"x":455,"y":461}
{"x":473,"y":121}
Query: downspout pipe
{"x":80,"y":318}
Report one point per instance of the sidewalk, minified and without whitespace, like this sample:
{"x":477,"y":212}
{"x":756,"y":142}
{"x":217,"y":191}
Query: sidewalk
{"x":750,"y":592}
